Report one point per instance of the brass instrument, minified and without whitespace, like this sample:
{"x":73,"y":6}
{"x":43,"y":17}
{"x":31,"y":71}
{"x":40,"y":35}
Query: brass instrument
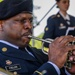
{"x":68,"y":63}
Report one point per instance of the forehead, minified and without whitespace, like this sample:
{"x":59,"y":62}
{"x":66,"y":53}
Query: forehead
{"x":23,"y":15}
{"x":64,"y":0}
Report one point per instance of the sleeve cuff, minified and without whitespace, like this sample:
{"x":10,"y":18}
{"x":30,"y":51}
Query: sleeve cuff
{"x":56,"y":68}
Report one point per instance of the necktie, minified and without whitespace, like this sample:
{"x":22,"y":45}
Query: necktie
{"x":68,"y":22}
{"x":62,"y":71}
{"x":23,"y":49}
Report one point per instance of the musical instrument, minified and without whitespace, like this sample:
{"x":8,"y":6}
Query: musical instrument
{"x":68,"y":63}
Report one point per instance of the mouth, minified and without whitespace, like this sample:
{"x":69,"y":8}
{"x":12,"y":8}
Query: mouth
{"x":26,"y":35}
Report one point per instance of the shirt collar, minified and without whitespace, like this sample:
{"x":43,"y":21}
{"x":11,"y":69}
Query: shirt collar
{"x":65,"y":17}
{"x":5,"y":42}
{"x":67,"y":72}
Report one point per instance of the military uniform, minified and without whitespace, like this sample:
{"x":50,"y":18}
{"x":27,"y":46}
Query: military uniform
{"x":20,"y":62}
{"x":57,"y":26}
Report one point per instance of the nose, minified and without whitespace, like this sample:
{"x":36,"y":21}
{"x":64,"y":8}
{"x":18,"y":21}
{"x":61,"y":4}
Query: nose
{"x":28,"y":25}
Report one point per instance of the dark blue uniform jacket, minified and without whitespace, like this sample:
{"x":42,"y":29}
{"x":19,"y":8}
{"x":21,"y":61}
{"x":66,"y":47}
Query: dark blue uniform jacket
{"x":57,"y":26}
{"x":16,"y":60}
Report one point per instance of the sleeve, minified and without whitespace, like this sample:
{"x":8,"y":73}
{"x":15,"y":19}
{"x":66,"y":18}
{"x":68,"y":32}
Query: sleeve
{"x":46,"y":69}
{"x":49,"y":30}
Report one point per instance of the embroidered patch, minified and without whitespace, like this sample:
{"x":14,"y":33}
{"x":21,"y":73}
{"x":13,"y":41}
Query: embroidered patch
{"x":13,"y":67}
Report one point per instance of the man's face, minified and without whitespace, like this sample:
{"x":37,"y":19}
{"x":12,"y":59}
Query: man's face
{"x":17,"y":29}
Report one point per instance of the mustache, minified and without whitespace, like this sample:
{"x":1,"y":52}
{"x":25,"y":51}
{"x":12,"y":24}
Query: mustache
{"x":27,"y":33}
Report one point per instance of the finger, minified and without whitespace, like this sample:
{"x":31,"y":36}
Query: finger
{"x":69,"y":48}
{"x":66,"y":40}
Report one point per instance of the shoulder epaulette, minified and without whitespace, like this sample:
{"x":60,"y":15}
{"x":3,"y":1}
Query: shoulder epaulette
{"x":53,"y":16}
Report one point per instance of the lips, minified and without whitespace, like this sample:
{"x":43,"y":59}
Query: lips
{"x":26,"y":34}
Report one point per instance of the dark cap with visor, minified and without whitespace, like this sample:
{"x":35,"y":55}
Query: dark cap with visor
{"x":10,"y":8}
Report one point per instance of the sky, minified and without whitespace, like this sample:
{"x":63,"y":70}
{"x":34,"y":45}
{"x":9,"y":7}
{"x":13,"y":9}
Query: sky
{"x":44,"y":7}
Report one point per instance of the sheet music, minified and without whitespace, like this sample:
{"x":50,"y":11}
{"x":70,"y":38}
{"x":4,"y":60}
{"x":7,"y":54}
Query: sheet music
{"x":69,"y":29}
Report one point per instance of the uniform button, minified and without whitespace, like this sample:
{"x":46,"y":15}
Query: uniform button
{"x":15,"y":73}
{"x":4,"y":49}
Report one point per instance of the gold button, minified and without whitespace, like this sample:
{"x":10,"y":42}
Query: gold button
{"x":4,"y":49}
{"x":46,"y":29}
{"x":15,"y":73}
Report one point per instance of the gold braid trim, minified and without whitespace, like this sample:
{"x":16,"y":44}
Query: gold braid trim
{"x":38,"y":72}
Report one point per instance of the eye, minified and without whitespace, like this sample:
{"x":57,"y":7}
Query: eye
{"x":31,"y":20}
{"x":23,"y":21}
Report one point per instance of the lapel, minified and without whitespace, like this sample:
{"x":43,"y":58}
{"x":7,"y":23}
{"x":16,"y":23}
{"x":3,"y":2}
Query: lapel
{"x":36,"y":53}
{"x":72,"y":21}
{"x":61,"y":19}
{"x":15,"y":53}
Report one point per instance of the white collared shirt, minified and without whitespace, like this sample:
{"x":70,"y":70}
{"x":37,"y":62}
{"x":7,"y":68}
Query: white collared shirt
{"x":57,"y":69}
{"x":65,"y":17}
{"x":5,"y":42}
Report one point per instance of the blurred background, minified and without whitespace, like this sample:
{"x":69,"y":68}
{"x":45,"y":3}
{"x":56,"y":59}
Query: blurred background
{"x":48,"y":8}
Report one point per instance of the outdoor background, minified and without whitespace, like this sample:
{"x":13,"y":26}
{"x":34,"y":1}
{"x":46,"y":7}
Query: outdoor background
{"x":41,"y":7}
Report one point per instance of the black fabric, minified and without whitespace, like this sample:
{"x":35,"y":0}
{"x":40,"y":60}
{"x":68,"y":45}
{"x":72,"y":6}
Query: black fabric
{"x":10,"y":8}
{"x":62,"y":70}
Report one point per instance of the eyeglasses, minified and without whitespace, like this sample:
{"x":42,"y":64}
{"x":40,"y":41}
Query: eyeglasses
{"x":22,"y":21}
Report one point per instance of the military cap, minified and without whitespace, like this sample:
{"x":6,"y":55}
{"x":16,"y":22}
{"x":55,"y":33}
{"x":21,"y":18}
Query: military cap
{"x":57,"y":0}
{"x":10,"y":8}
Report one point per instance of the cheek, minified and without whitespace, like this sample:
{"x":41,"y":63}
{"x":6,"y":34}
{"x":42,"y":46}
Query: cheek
{"x":14,"y":33}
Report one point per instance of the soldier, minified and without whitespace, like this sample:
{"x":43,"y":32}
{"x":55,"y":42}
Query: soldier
{"x":16,"y":55}
{"x":58,"y":24}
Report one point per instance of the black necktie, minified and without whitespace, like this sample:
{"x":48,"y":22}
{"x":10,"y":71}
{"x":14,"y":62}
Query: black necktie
{"x":23,"y":49}
{"x":62,"y":71}
{"x":68,"y":21}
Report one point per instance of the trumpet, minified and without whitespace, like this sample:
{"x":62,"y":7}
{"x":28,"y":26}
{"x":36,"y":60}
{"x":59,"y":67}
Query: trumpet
{"x":68,"y":63}
{"x":50,"y":40}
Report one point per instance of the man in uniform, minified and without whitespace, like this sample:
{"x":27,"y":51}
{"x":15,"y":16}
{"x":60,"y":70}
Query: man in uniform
{"x":15,"y":53}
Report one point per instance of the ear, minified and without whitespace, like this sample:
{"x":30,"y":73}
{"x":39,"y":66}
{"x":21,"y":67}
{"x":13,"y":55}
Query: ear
{"x":1,"y":25}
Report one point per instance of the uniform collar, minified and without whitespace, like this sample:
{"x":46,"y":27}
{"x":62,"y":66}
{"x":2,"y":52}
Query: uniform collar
{"x":5,"y":42}
{"x":65,"y":17}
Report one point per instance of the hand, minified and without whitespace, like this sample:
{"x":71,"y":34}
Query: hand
{"x":59,"y":48}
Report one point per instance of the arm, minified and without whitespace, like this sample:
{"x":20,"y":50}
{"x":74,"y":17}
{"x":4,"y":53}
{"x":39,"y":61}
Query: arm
{"x":49,"y":30}
{"x":57,"y":54}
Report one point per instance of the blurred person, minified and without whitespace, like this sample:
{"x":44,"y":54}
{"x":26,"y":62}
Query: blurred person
{"x":58,"y":24}
{"x":16,"y":55}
